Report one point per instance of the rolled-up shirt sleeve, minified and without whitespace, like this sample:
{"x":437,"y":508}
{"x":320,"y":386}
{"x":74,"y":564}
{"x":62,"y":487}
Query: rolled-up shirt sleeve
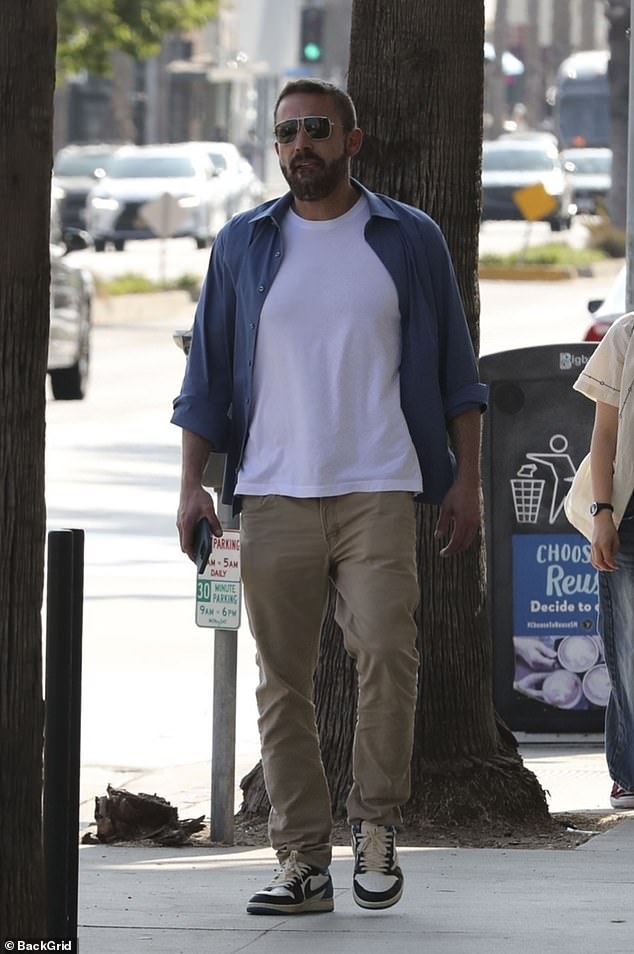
{"x":204,"y":403}
{"x":459,"y":375}
{"x":600,"y":380}
{"x":468,"y":398}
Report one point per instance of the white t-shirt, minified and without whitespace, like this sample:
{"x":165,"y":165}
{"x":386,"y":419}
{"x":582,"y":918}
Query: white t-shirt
{"x":327,"y":417}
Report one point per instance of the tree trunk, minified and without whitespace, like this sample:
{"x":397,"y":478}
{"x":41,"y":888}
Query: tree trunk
{"x":618,"y":14}
{"x":121,"y":116}
{"x":27,"y":79}
{"x":461,"y":762}
{"x":416,"y":78}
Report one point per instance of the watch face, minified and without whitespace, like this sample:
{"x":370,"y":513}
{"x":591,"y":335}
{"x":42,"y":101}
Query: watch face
{"x":593,"y":509}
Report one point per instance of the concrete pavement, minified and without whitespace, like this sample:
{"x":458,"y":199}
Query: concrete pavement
{"x":113,"y":469}
{"x":456,"y":901}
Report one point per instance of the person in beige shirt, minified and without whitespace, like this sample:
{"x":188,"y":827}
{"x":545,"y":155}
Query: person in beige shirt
{"x":608,"y":379}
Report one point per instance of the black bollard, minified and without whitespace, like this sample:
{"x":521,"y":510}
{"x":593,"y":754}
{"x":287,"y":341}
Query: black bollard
{"x":62,"y":737}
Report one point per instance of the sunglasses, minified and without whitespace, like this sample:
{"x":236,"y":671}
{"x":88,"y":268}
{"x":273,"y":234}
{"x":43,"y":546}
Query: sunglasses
{"x":317,"y":127}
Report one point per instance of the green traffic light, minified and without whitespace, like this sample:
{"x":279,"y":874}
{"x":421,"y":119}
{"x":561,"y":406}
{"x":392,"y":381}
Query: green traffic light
{"x":312,"y":52}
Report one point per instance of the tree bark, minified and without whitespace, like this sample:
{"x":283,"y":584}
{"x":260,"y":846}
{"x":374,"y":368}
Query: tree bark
{"x":416,"y":78}
{"x":27,"y":66}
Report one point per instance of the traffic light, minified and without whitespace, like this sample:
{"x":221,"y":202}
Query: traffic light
{"x":311,"y":33}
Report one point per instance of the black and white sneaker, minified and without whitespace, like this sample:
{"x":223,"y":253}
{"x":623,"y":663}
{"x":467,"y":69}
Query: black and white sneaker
{"x":297,"y":888}
{"x":377,"y":881}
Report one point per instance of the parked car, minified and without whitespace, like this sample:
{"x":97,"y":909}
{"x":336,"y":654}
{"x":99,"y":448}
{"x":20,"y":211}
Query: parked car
{"x":514,"y":163}
{"x":139,"y":174}
{"x":72,"y":293}
{"x":541,"y":135}
{"x":75,"y":170}
{"x":606,"y":311}
{"x":242,"y":186}
{"x":591,"y":172}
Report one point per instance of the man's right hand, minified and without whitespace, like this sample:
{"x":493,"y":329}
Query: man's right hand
{"x":194,"y":504}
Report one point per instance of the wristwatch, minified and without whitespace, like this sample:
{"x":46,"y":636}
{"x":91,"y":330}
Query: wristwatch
{"x":596,"y":507}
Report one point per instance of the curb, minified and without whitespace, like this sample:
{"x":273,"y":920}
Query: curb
{"x":606,"y":268}
{"x":529,"y":273}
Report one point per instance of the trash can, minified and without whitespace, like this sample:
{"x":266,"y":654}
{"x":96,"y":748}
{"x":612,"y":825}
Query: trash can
{"x":549,"y":667}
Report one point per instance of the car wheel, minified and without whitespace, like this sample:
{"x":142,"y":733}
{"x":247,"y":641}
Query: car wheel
{"x":69,"y":384}
{"x":556,"y":225}
{"x":100,"y":245}
{"x":203,"y":242}
{"x":119,"y":245}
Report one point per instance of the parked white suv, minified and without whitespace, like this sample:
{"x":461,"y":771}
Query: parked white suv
{"x":137,"y":175}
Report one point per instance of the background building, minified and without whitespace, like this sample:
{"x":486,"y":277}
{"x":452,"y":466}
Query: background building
{"x":221,"y":82}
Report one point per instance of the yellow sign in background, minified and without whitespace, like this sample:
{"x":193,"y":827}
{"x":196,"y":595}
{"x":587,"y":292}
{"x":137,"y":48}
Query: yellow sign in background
{"x":534,"y":202}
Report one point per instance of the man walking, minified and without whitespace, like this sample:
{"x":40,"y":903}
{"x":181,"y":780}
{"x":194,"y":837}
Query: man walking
{"x":331,"y":362}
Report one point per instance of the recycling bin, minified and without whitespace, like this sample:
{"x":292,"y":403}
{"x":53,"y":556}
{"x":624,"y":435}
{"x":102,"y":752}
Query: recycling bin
{"x":549,"y":666}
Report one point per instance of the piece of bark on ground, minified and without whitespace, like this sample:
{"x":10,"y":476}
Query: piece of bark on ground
{"x":123,"y":816}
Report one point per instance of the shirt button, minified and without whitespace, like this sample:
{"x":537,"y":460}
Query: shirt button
{"x":261,"y":288}
{"x":252,"y":325}
{"x":277,"y":254}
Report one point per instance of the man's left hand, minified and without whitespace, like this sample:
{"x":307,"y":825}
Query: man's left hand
{"x":459,"y":517}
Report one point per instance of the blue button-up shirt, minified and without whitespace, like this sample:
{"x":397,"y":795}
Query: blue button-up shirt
{"x":438,"y":373}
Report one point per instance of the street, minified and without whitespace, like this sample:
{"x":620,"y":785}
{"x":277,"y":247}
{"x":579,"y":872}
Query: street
{"x":113,"y":470}
{"x":171,"y":258}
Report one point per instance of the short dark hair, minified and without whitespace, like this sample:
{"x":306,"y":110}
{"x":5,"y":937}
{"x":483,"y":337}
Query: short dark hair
{"x":343,"y":102}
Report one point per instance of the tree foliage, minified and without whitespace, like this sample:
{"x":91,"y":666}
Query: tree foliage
{"x":88,"y":30}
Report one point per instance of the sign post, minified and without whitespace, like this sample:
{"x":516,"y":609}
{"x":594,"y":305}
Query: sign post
{"x":218,"y":605}
{"x":164,"y":215}
{"x":535,"y":204}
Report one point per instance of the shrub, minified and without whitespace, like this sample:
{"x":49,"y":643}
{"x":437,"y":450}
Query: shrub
{"x":607,"y":238}
{"x":551,"y":253}
{"x":131,"y":283}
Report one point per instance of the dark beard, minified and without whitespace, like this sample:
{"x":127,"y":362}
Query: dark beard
{"x":319,"y":182}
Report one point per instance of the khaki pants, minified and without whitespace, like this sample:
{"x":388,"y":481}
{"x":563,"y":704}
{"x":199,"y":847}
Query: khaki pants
{"x":291,"y":547}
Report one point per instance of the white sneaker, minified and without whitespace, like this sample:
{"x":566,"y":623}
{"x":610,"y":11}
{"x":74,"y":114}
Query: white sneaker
{"x":297,"y":888}
{"x":377,"y":881}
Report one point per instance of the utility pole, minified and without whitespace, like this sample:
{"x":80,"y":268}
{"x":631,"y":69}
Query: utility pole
{"x":498,"y":90}
{"x":534,"y":71}
{"x":629,"y":220}
{"x":588,"y":24}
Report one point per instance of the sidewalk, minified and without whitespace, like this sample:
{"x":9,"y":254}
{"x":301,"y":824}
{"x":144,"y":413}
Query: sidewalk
{"x":457,"y":900}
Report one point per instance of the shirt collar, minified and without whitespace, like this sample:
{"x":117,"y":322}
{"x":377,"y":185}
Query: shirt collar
{"x":278,"y":209}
